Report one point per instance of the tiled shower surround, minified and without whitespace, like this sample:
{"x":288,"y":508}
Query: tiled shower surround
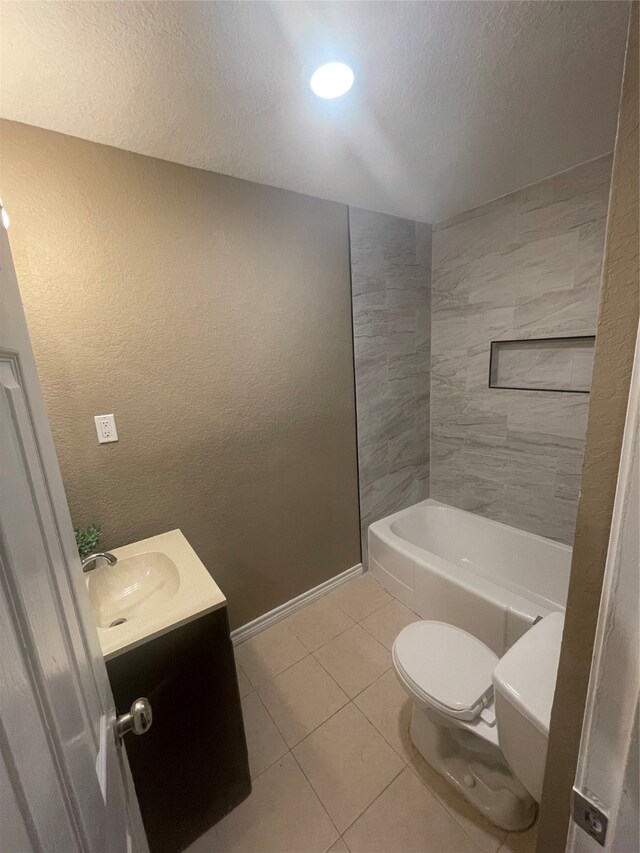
{"x":390,"y":271}
{"x":525,"y":266}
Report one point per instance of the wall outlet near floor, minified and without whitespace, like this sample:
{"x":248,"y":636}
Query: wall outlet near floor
{"x":106,"y":428}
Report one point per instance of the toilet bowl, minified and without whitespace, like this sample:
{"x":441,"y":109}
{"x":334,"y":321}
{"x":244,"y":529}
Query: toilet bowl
{"x":453,"y":680}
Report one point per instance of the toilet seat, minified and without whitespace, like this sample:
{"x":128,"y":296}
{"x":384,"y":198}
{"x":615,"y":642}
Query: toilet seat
{"x":446,"y":668}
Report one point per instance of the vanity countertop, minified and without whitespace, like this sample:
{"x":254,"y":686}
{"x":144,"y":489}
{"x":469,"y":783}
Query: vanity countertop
{"x":165,"y":586}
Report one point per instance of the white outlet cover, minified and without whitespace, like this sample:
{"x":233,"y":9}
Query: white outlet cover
{"x":106,"y":428}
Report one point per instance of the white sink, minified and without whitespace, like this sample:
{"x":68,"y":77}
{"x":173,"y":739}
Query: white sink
{"x":156,"y":585}
{"x":132,"y":588}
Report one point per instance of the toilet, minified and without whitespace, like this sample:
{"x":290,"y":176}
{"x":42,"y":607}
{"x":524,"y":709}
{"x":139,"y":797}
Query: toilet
{"x":481,"y":721}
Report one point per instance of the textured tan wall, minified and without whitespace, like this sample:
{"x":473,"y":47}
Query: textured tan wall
{"x":615,"y":343}
{"x":212,"y":316}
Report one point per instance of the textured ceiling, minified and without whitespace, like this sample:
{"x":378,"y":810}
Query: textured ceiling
{"x":455,"y":103}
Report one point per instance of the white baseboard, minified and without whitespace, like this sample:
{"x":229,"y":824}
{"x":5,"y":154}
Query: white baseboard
{"x":279,"y":613}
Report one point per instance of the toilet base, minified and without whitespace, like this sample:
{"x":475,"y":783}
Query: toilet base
{"x":475,"y":767}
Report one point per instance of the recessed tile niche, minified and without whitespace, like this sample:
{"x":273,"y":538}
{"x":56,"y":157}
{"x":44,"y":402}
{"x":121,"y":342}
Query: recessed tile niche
{"x":543,"y":364}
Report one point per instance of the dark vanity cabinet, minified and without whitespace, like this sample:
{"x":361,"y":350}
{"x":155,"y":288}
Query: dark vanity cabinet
{"x":191,"y":767}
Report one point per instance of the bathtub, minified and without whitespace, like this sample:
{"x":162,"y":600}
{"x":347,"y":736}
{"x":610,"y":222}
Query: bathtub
{"x":490,"y":579}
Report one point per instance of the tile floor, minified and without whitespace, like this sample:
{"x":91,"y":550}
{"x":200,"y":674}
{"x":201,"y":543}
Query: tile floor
{"x":332,"y":763}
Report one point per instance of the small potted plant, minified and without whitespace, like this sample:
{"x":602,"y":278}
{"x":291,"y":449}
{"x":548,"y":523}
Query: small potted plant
{"x":88,"y":539}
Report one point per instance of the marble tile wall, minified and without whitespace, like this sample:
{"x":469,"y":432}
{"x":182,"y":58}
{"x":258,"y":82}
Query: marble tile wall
{"x":525,"y":266}
{"x":390,"y":274}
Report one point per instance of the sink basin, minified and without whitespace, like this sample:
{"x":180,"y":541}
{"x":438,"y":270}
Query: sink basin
{"x":131,"y":588}
{"x":157,"y":585}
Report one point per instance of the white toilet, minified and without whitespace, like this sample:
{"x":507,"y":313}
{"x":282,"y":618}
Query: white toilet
{"x":481,"y":721}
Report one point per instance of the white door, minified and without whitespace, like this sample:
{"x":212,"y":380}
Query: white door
{"x":606,"y":794}
{"x":64,"y":783}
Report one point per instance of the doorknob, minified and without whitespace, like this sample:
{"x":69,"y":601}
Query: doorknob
{"x":138,"y":720}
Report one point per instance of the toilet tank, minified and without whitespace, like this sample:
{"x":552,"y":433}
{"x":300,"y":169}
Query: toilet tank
{"x":524,"y":682}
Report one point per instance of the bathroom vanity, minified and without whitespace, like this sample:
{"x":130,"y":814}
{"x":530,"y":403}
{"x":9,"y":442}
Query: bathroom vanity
{"x":164,"y":631}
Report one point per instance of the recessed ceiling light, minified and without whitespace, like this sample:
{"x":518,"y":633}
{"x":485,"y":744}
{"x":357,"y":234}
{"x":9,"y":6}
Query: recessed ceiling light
{"x":331,"y":80}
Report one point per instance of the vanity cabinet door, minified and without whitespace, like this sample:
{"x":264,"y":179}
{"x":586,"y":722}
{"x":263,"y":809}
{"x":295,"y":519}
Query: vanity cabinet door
{"x":191,"y":767}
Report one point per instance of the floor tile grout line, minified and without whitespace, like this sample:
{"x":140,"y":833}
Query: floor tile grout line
{"x":376,"y":610}
{"x":264,"y":770}
{"x":291,"y":748}
{"x":341,"y":832}
{"x":355,"y":625}
{"x":386,"y":604}
{"x":364,"y":628}
{"x":351,"y":698}
{"x":280,"y":757}
{"x":339,"y":634}
{"x":282,"y":672}
{"x":238,"y":667}
{"x":280,"y":732}
{"x":270,"y":715}
{"x":310,"y":783}
{"x":375,"y":799}
{"x":326,"y":595}
{"x":302,"y":740}
{"x":269,"y":680}
{"x":317,"y":796}
{"x":344,"y":586}
{"x":380,"y":732}
{"x":309,"y":655}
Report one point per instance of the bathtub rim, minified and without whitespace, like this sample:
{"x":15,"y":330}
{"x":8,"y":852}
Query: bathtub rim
{"x":521,"y":600}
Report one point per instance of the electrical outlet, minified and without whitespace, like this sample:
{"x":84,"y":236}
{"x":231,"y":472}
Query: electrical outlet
{"x":106,"y":428}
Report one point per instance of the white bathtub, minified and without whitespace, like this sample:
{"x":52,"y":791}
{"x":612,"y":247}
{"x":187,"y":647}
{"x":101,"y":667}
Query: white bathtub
{"x":490,"y":579}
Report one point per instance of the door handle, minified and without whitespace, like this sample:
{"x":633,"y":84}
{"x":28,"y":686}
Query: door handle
{"x":138,"y":720}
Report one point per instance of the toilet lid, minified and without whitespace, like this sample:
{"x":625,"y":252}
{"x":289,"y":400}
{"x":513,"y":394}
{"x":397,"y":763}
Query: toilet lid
{"x":446,"y":666}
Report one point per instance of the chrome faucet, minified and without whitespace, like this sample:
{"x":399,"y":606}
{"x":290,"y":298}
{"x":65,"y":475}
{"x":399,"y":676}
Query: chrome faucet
{"x":93,"y":558}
